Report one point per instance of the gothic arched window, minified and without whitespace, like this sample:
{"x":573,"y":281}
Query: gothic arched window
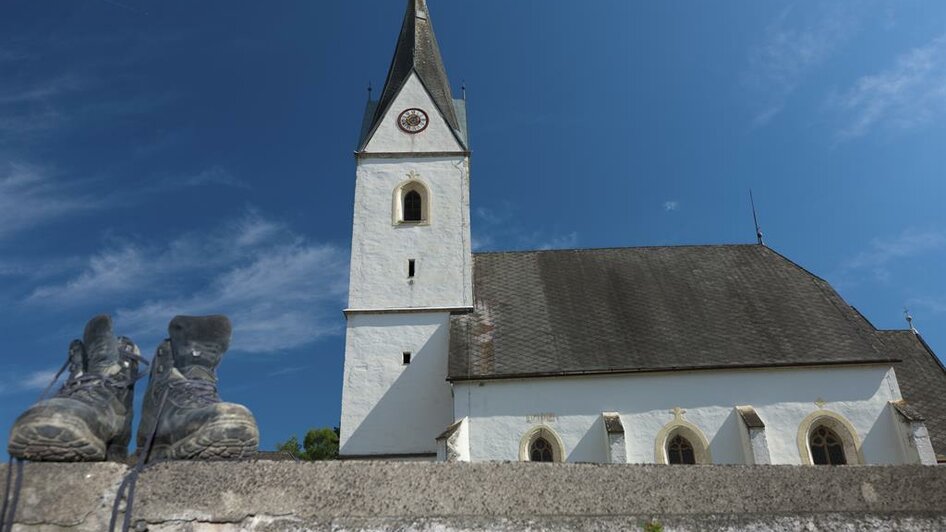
{"x":681,"y":442}
{"x":680,"y":451}
{"x":826,"y":447}
{"x":413,"y":207}
{"x":541,"y":444}
{"x":411,"y":203}
{"x":540,"y":450}
{"x":828,"y":438}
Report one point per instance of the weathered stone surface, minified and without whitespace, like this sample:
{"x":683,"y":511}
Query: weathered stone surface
{"x":513,"y":496}
{"x":67,"y":496}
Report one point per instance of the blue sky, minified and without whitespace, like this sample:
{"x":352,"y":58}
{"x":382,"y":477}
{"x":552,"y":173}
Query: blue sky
{"x":173,"y":157}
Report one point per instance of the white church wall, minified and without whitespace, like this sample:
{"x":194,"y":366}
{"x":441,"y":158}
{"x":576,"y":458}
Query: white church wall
{"x":501,"y":411}
{"x":437,"y":137}
{"x":390,"y":407}
{"x":441,"y":246}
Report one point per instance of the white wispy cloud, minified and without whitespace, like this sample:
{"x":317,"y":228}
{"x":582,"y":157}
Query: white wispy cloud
{"x":929,"y":303}
{"x":31,"y":196}
{"x":497,"y":226}
{"x":280,"y":290}
{"x":9,"y":55}
{"x":215,"y":175}
{"x":671,"y":205}
{"x":567,"y":241}
{"x":33,"y":107}
{"x":41,"y":91}
{"x":910,"y":93}
{"x":883,"y":251}
{"x":492,"y":216}
{"x":15,"y":381}
{"x":795,"y":44}
{"x":287,"y":297}
{"x":108,"y":273}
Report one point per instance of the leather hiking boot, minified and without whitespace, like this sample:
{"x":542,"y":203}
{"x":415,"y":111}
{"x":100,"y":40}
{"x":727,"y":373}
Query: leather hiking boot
{"x":182,"y":409}
{"x":89,"y":419}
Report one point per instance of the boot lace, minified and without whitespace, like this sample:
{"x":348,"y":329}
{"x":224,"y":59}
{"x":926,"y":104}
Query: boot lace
{"x":87,"y":385}
{"x":193,"y":392}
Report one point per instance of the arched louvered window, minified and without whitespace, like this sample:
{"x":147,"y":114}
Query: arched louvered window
{"x":826,"y":447}
{"x":413,"y":207}
{"x":680,"y":451}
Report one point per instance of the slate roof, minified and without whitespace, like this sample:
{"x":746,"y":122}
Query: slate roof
{"x":922,"y":380}
{"x":573,"y":312}
{"x":417,"y":51}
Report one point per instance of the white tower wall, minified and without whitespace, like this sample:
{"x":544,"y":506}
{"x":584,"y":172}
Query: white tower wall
{"x":392,"y":409}
{"x":440,"y":246}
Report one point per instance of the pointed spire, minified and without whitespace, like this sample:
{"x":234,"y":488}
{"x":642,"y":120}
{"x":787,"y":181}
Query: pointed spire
{"x":755,"y":220}
{"x":417,"y":51}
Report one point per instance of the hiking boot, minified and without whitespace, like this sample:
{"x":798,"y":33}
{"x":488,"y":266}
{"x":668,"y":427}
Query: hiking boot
{"x":182,"y":411}
{"x":89,"y":419}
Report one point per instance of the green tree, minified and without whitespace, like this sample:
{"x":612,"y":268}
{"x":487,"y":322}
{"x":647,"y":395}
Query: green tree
{"x":318,"y":444}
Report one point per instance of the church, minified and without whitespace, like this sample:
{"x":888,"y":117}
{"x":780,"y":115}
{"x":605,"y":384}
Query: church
{"x":710,"y":354}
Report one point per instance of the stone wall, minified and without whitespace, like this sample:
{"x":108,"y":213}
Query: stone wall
{"x":514,"y":496}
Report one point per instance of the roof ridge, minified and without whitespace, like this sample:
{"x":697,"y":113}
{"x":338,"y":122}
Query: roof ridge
{"x":616,"y":248}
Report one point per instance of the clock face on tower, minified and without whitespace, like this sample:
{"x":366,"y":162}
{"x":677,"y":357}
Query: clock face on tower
{"x":413,"y":121}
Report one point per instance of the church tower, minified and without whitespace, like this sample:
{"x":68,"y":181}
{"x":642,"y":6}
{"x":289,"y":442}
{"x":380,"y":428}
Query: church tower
{"x":411,"y":262}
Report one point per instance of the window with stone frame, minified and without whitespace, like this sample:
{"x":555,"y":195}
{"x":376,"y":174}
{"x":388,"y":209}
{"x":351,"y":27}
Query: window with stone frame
{"x":541,"y":444}
{"x":680,"y":451}
{"x":826,"y":447}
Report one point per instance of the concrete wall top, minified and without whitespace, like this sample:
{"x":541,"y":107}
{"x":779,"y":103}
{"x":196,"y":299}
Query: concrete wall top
{"x":381,"y":495}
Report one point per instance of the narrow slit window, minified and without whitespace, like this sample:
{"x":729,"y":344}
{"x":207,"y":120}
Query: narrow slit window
{"x":406,"y":357}
{"x":411,"y":268}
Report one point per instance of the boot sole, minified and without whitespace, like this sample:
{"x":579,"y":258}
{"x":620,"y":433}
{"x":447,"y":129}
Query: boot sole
{"x":56,"y":440}
{"x":223,"y":440}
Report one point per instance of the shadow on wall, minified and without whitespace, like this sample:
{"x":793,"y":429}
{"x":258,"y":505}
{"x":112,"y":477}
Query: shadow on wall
{"x":726,"y":446}
{"x":397,"y":417}
{"x":593,"y":445}
{"x":882,"y":443}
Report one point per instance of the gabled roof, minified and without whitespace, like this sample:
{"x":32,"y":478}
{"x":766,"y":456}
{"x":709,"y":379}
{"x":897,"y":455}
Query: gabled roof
{"x":417,"y":51}
{"x":574,"y":312}
{"x":922,"y":381}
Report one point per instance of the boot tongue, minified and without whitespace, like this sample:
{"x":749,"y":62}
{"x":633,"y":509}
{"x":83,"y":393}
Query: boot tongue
{"x":198,"y":344}
{"x":101,"y":346}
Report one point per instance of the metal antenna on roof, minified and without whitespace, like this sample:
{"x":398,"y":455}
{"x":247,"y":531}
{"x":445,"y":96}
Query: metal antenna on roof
{"x":755,"y":219}
{"x":906,"y":314}
{"x":369,"y":91}
{"x":463,"y":90}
